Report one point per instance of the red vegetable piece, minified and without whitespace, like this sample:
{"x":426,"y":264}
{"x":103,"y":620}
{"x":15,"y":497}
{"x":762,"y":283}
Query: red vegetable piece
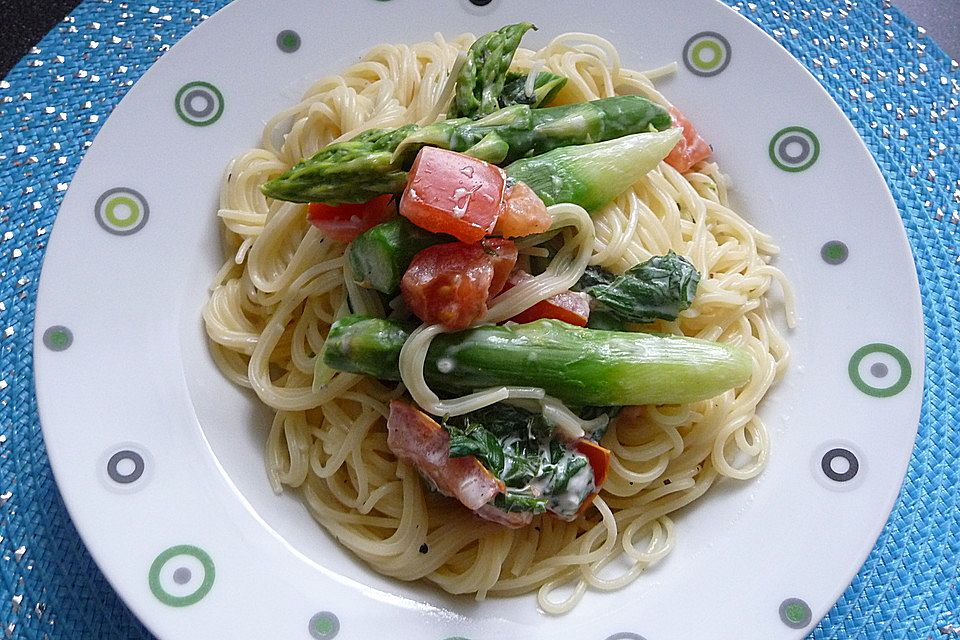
{"x":450,"y":283}
{"x":571,"y":307}
{"x":344,"y":222}
{"x":523,"y":214}
{"x":503,"y":255}
{"x":691,"y":148}
{"x":448,"y":192}
{"x":416,"y":438}
{"x":599,"y":459}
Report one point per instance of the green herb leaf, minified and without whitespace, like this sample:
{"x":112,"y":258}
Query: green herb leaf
{"x":661,"y":287}
{"x":516,"y":501}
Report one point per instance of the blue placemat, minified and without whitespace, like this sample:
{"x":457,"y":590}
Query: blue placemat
{"x":897,"y":87}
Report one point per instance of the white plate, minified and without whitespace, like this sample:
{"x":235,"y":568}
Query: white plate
{"x":159,"y":458}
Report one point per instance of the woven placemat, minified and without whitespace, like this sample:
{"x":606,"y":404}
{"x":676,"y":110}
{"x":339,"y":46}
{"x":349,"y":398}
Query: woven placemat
{"x":897,"y":87}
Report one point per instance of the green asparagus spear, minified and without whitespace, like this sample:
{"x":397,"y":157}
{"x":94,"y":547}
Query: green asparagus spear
{"x":355,"y":171}
{"x":360,"y":344}
{"x":526,"y":132}
{"x":545,"y":87}
{"x":591,"y":175}
{"x":484,"y":72}
{"x":374,"y":163}
{"x":380,"y":256}
{"x":578,"y":366}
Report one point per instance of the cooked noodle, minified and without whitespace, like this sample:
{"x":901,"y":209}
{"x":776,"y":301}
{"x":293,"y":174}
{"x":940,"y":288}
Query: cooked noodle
{"x":282,"y":286}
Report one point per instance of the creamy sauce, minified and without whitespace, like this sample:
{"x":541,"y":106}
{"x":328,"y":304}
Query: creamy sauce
{"x":567,"y":503}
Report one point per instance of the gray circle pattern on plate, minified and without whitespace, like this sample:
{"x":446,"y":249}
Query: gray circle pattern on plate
{"x":121,"y":211}
{"x":117,"y":460}
{"x":715,"y":46}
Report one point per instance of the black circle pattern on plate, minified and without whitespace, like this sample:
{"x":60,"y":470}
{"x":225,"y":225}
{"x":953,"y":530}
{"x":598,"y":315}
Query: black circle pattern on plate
{"x":126,"y":455}
{"x":480,"y":3}
{"x":853,"y":465}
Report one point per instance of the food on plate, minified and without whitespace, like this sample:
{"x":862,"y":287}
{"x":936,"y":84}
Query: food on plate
{"x":503,"y":310}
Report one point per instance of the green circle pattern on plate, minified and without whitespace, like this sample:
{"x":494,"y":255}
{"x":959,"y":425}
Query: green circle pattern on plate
{"x":57,"y":338}
{"x":879,"y":370}
{"x":323,"y":626}
{"x":794,"y":149}
{"x":121,"y":211}
{"x":199,"y":103}
{"x":795,"y":613}
{"x":834,"y":252}
{"x":182,"y":576}
{"x":706,"y":54}
{"x":288,"y":41}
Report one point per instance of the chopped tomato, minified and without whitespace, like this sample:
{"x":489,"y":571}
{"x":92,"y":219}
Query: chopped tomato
{"x":599,"y":458}
{"x":416,"y":438}
{"x":691,"y":148}
{"x":571,"y":307}
{"x":344,"y":222}
{"x":503,"y":255}
{"x":523,"y":213}
{"x":448,"y":192}
{"x":450,"y":283}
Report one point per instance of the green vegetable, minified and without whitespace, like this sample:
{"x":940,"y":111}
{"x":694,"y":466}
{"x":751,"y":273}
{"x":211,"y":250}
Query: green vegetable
{"x":661,"y":287}
{"x":578,"y":366}
{"x":483,"y":74}
{"x":591,"y":175}
{"x":545,"y":87}
{"x":513,"y":500}
{"x":380,"y":256}
{"x":601,"y":318}
{"x":519,"y":131}
{"x":376,"y":162}
{"x":365,"y":345}
{"x":516,"y":447}
{"x":355,"y":171}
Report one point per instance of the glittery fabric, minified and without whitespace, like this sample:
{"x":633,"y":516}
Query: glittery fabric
{"x":899,"y":90}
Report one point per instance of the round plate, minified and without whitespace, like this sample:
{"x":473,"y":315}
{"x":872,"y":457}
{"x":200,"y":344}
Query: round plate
{"x":160,"y":459}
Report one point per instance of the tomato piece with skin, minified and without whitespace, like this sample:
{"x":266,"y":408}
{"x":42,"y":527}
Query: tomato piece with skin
{"x":449,"y":284}
{"x":523,"y":213}
{"x":572,"y":307}
{"x":503,"y":255}
{"x":448,"y":192}
{"x":691,"y":148}
{"x":599,"y":459}
{"x":344,"y":222}
{"x":415,"y":437}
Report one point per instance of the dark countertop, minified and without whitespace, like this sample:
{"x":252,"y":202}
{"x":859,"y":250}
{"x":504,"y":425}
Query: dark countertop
{"x":24,"y":22}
